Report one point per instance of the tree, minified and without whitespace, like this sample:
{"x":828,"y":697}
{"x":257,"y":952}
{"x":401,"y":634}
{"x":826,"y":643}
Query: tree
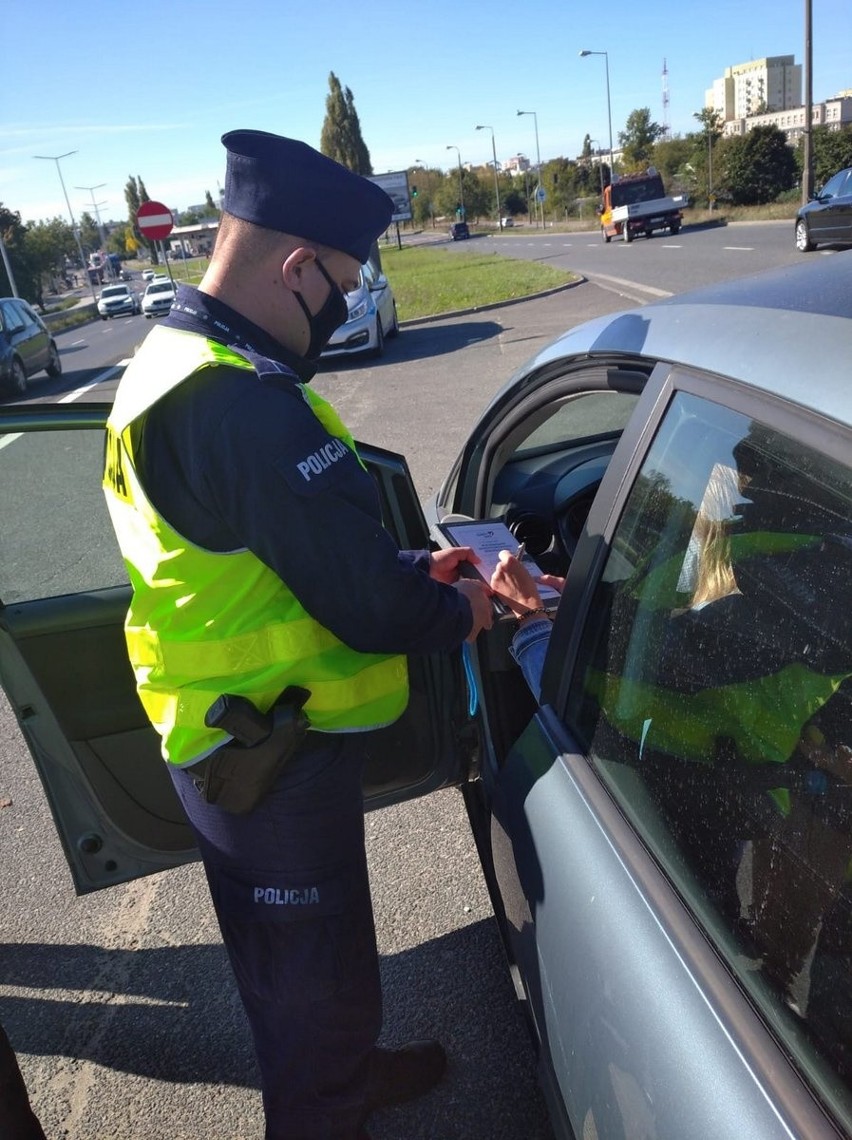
{"x":759,"y":166}
{"x":711,"y":122}
{"x":90,"y":237}
{"x":47,"y":247}
{"x":673,"y":157}
{"x":134,"y":195}
{"x":13,"y":232}
{"x":341,"y":131}
{"x":638,"y":138}
{"x":212,"y":208}
{"x":832,"y":151}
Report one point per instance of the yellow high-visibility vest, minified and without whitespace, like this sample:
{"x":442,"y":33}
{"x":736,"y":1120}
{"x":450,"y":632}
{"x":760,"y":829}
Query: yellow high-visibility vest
{"x":202,"y":623}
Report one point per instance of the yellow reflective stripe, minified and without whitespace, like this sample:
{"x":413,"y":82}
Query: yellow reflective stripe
{"x":256,"y":649}
{"x":380,"y":679}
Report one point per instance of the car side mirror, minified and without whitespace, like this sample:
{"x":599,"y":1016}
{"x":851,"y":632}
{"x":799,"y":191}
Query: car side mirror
{"x":379,"y":283}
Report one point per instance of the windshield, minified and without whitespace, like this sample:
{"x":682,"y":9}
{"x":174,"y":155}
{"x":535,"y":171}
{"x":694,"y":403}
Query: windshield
{"x":164,"y":288}
{"x":116,"y":291}
{"x":645,"y":190}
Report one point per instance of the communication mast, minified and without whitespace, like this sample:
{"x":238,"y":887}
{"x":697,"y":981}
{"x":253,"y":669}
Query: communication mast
{"x":665,"y":123}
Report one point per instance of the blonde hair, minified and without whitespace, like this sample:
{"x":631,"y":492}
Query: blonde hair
{"x":714,"y":577}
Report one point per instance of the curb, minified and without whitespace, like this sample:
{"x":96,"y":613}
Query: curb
{"x":580,"y":280}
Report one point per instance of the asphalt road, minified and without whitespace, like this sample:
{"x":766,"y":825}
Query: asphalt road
{"x":120,"y":1003}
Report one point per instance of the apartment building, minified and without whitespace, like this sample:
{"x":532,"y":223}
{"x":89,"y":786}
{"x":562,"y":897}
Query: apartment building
{"x":760,"y":86}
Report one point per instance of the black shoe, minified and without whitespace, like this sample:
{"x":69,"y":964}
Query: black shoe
{"x":397,"y":1075}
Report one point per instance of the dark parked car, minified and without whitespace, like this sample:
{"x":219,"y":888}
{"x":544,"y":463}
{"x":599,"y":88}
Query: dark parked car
{"x":827,"y":218}
{"x":459,"y":231}
{"x":666,"y":828}
{"x":26,"y":346}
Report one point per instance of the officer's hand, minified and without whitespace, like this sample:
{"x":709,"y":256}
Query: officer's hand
{"x":479,"y":596}
{"x":444,"y":564}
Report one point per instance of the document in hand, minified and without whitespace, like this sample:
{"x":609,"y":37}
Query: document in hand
{"x":487,"y":537}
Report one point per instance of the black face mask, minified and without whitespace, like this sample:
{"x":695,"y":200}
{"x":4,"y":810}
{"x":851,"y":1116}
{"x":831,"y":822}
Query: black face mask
{"x":332,"y":314}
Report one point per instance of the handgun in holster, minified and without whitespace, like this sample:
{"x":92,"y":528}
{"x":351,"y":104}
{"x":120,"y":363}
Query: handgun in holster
{"x":240,"y":773}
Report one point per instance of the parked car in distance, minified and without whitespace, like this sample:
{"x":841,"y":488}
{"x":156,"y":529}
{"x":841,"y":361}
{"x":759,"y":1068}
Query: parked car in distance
{"x":116,"y":301}
{"x":26,"y":346}
{"x":459,"y":231}
{"x":372,"y":317}
{"x":157,"y":298}
{"x":506,"y":223}
{"x":148,"y":274}
{"x":665,"y":821}
{"x":827,"y":218}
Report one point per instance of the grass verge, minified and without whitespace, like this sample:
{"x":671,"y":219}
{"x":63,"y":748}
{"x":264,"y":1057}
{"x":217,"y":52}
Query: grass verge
{"x":427,"y":281}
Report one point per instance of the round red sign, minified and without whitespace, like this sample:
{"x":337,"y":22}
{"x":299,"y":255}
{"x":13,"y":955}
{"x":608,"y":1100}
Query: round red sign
{"x":154,"y":220}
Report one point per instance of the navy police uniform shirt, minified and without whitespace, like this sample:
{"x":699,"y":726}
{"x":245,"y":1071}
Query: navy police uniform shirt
{"x":234,"y":459}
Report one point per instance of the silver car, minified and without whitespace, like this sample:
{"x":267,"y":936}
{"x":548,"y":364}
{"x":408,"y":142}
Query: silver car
{"x":157,"y":298}
{"x":372,"y":317}
{"x":665,"y":821}
{"x":116,"y":301}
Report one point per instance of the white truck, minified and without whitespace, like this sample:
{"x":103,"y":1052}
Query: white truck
{"x":638,"y":204}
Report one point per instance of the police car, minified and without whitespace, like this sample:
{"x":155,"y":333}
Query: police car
{"x":667,"y":828}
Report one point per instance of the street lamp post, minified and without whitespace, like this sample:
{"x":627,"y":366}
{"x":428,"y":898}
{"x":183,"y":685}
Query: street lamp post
{"x":496,"y":183}
{"x":537,"y":163}
{"x":585,"y":52}
{"x":55,"y":158}
{"x":461,"y":183}
{"x":95,"y":205}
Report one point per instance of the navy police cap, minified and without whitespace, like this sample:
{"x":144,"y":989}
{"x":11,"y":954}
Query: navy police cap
{"x":286,"y":185}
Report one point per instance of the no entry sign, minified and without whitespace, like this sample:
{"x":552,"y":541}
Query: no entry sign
{"x":154,"y":220}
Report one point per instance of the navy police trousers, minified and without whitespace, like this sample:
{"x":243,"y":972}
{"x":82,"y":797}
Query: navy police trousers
{"x":290,"y":888}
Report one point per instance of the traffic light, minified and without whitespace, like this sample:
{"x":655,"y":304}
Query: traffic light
{"x":413,"y":191}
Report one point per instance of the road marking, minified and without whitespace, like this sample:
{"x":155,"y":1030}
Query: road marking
{"x":70,"y":397}
{"x":107,"y":374}
{"x":743,"y":248}
{"x":74,"y":343}
{"x":601,"y":277}
{"x":666,"y":245}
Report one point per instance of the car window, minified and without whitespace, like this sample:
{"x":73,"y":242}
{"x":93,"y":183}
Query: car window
{"x":27,"y":316}
{"x":64,"y":502}
{"x":713,"y":694}
{"x":583,"y":417}
{"x":12,"y":319}
{"x":833,"y":187}
{"x":164,"y":288}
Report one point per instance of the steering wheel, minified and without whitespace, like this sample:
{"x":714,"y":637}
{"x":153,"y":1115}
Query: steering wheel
{"x":572,"y":500}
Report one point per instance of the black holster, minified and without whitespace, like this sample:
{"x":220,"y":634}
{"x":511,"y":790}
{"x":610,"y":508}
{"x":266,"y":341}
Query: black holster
{"x":239,"y":774}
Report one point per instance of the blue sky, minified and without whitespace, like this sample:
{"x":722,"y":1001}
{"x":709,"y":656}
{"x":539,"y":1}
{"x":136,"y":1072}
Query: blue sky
{"x":148,"y":88}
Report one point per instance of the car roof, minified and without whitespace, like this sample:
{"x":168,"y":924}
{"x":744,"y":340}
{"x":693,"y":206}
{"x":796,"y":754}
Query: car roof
{"x":786,"y":331}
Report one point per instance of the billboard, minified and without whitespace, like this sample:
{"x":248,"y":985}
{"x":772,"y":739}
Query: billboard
{"x":395,"y":183}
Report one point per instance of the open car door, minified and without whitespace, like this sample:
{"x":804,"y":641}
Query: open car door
{"x":63,"y":664}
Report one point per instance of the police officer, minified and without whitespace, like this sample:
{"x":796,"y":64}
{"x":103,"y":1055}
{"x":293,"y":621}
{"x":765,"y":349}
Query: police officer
{"x":17,"y":1119}
{"x":260,"y":566}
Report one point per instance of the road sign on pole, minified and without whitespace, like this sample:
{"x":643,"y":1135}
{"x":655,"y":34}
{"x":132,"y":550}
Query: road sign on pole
{"x":540,"y":194}
{"x":154,"y":221}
